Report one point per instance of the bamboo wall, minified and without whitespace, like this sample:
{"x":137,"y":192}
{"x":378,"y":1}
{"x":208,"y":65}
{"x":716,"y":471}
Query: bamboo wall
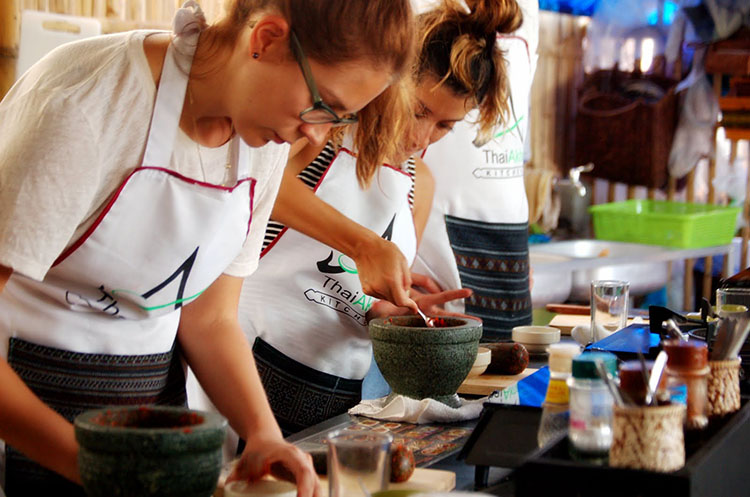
{"x":553,"y":95}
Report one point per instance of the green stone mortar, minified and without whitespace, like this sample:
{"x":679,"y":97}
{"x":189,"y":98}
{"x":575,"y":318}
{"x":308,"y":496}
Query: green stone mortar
{"x":149,"y":451}
{"x":421,"y":362}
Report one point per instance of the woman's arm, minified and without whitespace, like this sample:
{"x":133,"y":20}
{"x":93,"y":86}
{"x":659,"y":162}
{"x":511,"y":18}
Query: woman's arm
{"x":29,"y":425}
{"x":382,"y":268}
{"x":218,"y":352}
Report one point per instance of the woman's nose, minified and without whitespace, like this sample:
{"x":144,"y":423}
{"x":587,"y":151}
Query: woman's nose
{"x":316,"y":133}
{"x":422,"y":138}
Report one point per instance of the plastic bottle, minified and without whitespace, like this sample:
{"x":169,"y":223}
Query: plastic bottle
{"x":687,"y":364}
{"x":590,"y":430}
{"x":555,"y":408}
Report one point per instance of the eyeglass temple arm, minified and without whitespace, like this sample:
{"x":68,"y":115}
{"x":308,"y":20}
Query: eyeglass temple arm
{"x":300,"y":56}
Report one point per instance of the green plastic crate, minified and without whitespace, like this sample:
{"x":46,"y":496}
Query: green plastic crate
{"x":670,"y":224}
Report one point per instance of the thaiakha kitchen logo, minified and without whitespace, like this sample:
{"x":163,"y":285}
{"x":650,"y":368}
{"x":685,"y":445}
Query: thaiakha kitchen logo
{"x":503,"y":162}
{"x":334,"y":293}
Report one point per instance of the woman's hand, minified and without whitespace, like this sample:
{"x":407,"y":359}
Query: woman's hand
{"x":383,"y":271}
{"x":427,"y":294}
{"x":264,"y":455}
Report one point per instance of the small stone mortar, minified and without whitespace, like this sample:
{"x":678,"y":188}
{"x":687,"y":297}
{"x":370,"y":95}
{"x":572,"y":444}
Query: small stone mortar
{"x":149,"y":451}
{"x":421,"y":362}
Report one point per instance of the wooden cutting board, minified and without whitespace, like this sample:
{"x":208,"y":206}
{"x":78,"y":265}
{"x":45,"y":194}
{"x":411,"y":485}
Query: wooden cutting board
{"x":566,"y":322}
{"x":433,"y":480}
{"x":485,"y":384}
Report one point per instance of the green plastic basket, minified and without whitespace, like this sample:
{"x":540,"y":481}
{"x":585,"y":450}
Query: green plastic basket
{"x":670,"y":224}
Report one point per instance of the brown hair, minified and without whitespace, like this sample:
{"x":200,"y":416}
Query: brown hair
{"x":337,"y":31}
{"x":459,"y":49}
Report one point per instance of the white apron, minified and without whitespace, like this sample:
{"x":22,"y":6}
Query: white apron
{"x":305,"y":299}
{"x":482,"y":190}
{"x":110,"y":305}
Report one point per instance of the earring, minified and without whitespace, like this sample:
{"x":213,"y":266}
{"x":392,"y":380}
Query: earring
{"x":256,"y":55}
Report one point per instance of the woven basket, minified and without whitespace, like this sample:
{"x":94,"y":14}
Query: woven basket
{"x":627,"y":137}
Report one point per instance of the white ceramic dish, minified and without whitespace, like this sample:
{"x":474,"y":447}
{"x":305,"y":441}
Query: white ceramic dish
{"x":536,"y":339}
{"x":484,"y":355}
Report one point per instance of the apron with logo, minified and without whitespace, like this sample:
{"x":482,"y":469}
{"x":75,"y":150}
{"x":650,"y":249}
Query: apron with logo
{"x":100,"y":329}
{"x":305,"y":302}
{"x":476,"y":235}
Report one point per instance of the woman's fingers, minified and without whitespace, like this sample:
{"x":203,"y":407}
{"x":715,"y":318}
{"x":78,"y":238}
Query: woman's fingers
{"x":424,"y":282}
{"x":284,"y":461}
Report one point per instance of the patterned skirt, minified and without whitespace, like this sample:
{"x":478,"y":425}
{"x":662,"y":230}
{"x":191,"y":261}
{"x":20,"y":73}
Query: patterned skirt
{"x":72,"y":382}
{"x":301,"y":396}
{"x":493,"y":260}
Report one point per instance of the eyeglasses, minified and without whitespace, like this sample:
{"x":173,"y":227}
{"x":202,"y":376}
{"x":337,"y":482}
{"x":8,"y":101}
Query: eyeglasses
{"x":320,"y":112}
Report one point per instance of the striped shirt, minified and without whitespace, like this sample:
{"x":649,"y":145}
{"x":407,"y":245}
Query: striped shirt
{"x":311,"y":176}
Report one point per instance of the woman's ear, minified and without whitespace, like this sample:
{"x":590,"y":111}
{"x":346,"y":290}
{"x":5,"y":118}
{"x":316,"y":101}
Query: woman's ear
{"x":269,"y":36}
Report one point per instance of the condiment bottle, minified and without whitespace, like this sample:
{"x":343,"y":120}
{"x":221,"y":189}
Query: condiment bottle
{"x":632,"y":382}
{"x":590,"y":429}
{"x":687,"y":362}
{"x":555,"y":416}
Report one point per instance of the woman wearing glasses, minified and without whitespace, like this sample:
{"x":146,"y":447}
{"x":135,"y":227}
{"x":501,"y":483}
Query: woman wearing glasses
{"x":135,"y":185}
{"x":307,"y":306}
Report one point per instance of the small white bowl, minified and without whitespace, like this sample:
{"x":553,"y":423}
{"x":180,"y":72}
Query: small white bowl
{"x":484,"y":356}
{"x":260,"y":488}
{"x":536,"y":338}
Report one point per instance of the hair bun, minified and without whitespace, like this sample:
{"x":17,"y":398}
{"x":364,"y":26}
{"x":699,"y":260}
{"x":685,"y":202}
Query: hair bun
{"x":494,"y":16}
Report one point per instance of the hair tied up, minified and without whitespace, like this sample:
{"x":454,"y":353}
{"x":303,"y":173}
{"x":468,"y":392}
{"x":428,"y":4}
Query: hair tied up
{"x":495,"y":16}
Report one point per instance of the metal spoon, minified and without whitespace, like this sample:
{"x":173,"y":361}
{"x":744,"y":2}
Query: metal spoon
{"x":430,"y":322}
{"x":646,"y":380}
{"x":675,"y":330}
{"x":610,"y":382}
{"x":656,"y":371}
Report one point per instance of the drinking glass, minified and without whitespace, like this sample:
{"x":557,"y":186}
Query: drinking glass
{"x":358,"y":462}
{"x":609,"y":307}
{"x":733,"y":309}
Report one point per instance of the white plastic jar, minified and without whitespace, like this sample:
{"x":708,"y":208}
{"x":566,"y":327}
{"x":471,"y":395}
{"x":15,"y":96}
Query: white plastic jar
{"x":590,"y":429}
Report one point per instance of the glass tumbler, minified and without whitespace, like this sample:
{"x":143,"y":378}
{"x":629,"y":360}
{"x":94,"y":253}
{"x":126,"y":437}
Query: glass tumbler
{"x":609,"y":307}
{"x":358,"y":462}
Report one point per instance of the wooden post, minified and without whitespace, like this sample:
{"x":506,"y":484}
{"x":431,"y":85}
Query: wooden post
{"x":10,"y":34}
{"x":631,"y":191}
{"x":689,"y":263}
{"x":611,"y":192}
{"x":672,"y":188}
{"x":745,"y":222}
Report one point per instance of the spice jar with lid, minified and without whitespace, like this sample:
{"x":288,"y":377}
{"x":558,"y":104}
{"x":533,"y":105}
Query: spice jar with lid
{"x":687,"y":362}
{"x":590,"y":429}
{"x":555,"y":418}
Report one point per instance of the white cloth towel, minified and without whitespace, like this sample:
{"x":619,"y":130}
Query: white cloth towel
{"x":401,"y":408}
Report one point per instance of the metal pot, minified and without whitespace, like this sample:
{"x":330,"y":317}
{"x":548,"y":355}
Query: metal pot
{"x":575,"y":199}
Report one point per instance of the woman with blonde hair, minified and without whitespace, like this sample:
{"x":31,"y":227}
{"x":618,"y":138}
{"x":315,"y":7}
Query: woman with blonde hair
{"x":135,"y":185}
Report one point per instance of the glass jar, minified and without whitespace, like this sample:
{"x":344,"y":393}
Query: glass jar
{"x":590,"y":429}
{"x":555,"y":417}
{"x":687,"y":363}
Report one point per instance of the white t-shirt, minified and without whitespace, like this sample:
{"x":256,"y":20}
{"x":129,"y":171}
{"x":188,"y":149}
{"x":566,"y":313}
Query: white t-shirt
{"x":73,"y":127}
